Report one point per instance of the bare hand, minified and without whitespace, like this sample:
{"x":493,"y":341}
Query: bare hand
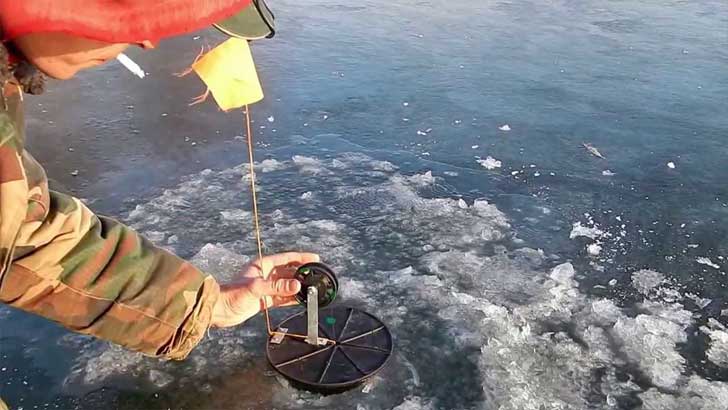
{"x":263,"y":282}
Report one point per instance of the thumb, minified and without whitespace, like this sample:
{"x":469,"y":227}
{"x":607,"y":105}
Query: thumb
{"x":280,"y":287}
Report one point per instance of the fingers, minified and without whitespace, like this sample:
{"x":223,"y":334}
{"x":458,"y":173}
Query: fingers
{"x":283,"y":260}
{"x":279,"y":287}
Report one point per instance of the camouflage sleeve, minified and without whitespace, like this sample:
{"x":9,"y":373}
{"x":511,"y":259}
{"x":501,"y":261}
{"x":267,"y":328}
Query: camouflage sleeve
{"x":92,"y":274}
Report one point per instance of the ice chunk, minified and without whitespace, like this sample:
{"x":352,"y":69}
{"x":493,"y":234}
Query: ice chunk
{"x":673,"y":312}
{"x":671,"y":165}
{"x":271,"y":119}
{"x":563,"y":274}
{"x":159,"y":378}
{"x":422,"y":179}
{"x":701,"y":302}
{"x":270,"y":165}
{"x":353,"y":289}
{"x":505,"y":127}
{"x":490,"y":163}
{"x":706,"y":261}
{"x":235,"y":215}
{"x":593,"y":249}
{"x":608,"y":173}
{"x":414,"y":403}
{"x":307,"y":195}
{"x":155,"y":236}
{"x":462,"y":204}
{"x":697,"y":394}
{"x":309,"y":165}
{"x":651,"y":342}
{"x":646,"y":280}
{"x":590,"y":232}
{"x":605,"y":311}
{"x":718,"y":336}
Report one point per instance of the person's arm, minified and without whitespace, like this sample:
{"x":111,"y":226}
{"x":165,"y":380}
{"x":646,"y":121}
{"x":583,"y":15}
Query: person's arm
{"x":92,"y":274}
{"x":96,"y":276}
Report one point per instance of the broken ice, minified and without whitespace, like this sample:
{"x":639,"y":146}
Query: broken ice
{"x":490,"y":163}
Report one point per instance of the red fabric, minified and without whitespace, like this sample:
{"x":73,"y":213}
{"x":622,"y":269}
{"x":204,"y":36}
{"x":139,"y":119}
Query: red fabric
{"x":113,"y":21}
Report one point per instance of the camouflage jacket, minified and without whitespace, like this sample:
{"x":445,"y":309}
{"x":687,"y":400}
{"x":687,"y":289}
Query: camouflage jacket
{"x":89,"y":273}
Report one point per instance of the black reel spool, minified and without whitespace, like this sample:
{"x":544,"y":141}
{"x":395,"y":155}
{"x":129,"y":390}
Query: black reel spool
{"x":363,"y":344}
{"x":322,"y":277}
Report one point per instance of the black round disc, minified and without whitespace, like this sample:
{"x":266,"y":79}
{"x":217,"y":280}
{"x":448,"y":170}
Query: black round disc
{"x":363,"y":346}
{"x":322,"y":277}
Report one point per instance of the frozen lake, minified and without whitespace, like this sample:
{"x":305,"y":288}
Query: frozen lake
{"x":437,"y":156}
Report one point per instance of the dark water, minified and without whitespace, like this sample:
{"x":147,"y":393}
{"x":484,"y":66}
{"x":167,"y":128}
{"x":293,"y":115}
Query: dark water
{"x":425,"y":87}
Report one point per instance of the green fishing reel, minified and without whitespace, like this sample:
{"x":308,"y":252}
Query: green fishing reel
{"x":322,"y":278}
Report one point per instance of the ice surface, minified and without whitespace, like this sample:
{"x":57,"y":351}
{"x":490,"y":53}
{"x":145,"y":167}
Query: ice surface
{"x":426,"y":264}
{"x":490,"y":163}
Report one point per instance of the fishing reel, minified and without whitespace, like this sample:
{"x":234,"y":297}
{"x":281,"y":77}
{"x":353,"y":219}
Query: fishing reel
{"x":327,"y":349}
{"x":318,"y":276}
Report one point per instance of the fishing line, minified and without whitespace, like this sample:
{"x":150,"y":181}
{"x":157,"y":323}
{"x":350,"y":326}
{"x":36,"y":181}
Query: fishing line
{"x":256,"y":223}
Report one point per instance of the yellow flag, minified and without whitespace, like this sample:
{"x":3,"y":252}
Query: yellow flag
{"x":229,"y":73}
